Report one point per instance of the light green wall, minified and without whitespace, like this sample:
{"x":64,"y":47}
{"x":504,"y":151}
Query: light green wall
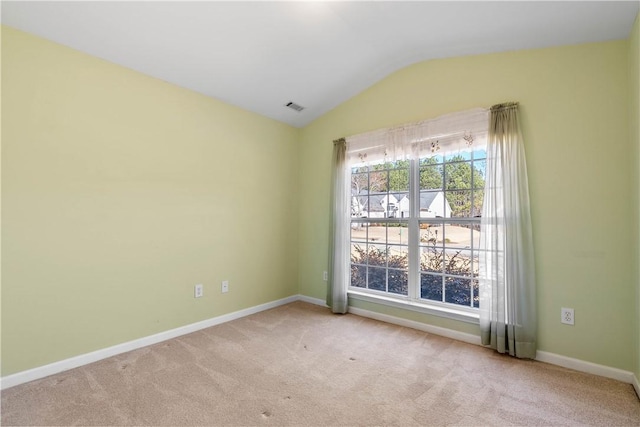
{"x":574,"y":107}
{"x":634,"y":114}
{"x":120,"y":192}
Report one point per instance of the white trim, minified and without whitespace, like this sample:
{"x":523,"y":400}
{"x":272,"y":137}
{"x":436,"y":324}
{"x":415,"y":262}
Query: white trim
{"x":436,"y":330}
{"x":84,"y":359}
{"x":311,"y":300}
{"x":588,"y":367}
{"x":541,"y":356}
{"x":94,"y":356}
{"x":452,"y":313}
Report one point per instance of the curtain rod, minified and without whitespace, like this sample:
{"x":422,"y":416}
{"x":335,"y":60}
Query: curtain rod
{"x":504,"y":106}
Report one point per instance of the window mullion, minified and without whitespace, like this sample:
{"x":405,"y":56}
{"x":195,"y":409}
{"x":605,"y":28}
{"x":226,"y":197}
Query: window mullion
{"x":414,"y":229}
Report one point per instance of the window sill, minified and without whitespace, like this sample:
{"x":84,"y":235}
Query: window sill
{"x":405,"y":304}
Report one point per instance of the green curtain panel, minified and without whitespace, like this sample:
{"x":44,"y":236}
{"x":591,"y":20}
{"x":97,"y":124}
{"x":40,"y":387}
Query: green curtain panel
{"x":507,"y":279}
{"x":339,"y":257}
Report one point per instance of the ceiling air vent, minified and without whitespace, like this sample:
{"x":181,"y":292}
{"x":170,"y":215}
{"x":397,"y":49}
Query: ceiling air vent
{"x":294,"y":106}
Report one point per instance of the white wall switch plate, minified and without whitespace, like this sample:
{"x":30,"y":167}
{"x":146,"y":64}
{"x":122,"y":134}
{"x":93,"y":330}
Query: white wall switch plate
{"x":225,"y":286}
{"x":198,"y":291}
{"x":325,"y":276}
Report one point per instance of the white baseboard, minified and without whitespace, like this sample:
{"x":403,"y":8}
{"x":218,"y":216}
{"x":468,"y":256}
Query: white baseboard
{"x":84,"y":359}
{"x":94,"y":356}
{"x":541,"y":356}
{"x":436,"y":330}
{"x":311,"y":300}
{"x":583,"y":366}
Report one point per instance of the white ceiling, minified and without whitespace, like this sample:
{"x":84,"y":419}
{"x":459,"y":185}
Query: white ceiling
{"x":261,"y":55}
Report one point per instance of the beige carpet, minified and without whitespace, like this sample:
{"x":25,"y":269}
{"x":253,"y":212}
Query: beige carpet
{"x":300,"y":365}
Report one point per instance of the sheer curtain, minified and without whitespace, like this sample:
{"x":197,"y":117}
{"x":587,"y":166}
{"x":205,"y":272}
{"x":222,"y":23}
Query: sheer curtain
{"x":339,"y":256}
{"x":444,"y":134}
{"x":507,"y":279}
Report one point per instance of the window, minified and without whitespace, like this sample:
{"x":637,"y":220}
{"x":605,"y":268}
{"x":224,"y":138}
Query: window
{"x":415,"y":227}
{"x":406,"y":226}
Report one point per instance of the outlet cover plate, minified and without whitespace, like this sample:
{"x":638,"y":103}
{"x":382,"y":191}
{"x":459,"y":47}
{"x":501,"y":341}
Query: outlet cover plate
{"x":198,"y":291}
{"x":567,"y":316}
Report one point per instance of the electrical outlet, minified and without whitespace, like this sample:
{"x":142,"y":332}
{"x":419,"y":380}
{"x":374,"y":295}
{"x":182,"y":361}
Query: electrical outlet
{"x":567,"y":316}
{"x":198,"y":291}
{"x":225,"y":286}
{"x":325,"y":276}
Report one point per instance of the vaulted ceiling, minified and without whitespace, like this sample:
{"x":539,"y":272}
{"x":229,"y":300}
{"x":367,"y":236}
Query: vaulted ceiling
{"x":262,"y":55}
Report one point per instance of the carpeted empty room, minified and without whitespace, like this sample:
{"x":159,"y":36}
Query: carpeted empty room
{"x":298,"y":364}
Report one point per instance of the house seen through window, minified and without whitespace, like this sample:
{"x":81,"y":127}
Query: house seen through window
{"x":415,"y":227}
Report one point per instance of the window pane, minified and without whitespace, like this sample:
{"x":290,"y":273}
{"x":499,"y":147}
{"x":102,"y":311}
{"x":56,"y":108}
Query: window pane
{"x":359,"y":182}
{"x":377,"y":234}
{"x":359,"y":253}
{"x":431,"y":234}
{"x":460,"y":202}
{"x":359,"y":276}
{"x":378,"y":182}
{"x":432,"y":205}
{"x":458,"y":291}
{"x":458,"y":176}
{"x":374,"y":207}
{"x":382,"y":234}
{"x":432,"y":259}
{"x":359,"y":204}
{"x":359,"y":232}
{"x":378,"y":278}
{"x":475,"y":232}
{"x":431,"y":287}
{"x":431,"y":177}
{"x":478,"y":199}
{"x":475,"y":264}
{"x":458,"y":262}
{"x":431,"y":160}
{"x":377,"y":255}
{"x":476,"y":293}
{"x":457,"y":236}
{"x":398,"y":234}
{"x":398,"y":205}
{"x":457,"y":156}
{"x":398,"y":257}
{"x":390,"y":205}
{"x":398,"y":282}
{"x":479,"y":168}
{"x":399,"y":179}
{"x":398,"y":164}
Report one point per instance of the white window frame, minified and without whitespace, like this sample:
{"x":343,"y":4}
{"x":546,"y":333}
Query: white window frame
{"x":413,"y":300}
